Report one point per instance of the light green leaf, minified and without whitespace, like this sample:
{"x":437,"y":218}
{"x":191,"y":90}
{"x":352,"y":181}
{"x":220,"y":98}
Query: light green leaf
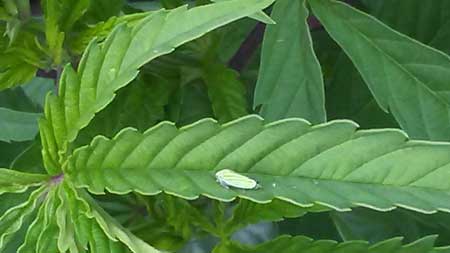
{"x":290,"y":81}
{"x":17,"y":73}
{"x":115,"y":231}
{"x":292,"y":161}
{"x":413,"y":87}
{"x":41,"y":235}
{"x":226,"y":92}
{"x":78,"y":229}
{"x":17,"y":126}
{"x":19,"y":61}
{"x":307,"y":245}
{"x":60,"y":16}
{"x":105,"y":69}
{"x":263,"y":18}
{"x":13,"y":219}
{"x":15,"y":181}
{"x":53,"y":31}
{"x":260,"y":16}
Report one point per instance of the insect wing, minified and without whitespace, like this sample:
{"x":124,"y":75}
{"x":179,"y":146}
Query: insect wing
{"x":233,"y":179}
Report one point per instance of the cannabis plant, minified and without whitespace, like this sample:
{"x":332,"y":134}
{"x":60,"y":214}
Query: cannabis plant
{"x":198,"y":126}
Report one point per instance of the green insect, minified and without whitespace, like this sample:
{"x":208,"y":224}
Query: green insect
{"x":228,"y":178}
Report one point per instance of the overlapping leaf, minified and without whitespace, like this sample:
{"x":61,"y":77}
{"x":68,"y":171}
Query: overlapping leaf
{"x":15,"y":181}
{"x":331,"y":164}
{"x":101,"y":30}
{"x":83,"y":223}
{"x":290,"y":79}
{"x":413,"y":86}
{"x":226,"y":92}
{"x":106,"y":68}
{"x":67,"y":222}
{"x":247,"y":212}
{"x":425,"y":21}
{"x":372,"y":226}
{"x":13,"y":219}
{"x":307,"y":245}
{"x":42,"y":234}
{"x":140,"y":105}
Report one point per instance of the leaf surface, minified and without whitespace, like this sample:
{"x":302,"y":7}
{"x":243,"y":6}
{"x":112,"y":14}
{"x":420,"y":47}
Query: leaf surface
{"x":290,"y":81}
{"x":412,"y":86}
{"x":106,"y":68}
{"x":292,"y":161}
{"x":15,"y":181}
{"x":12,"y":220}
{"x":247,"y":212}
{"x":226,"y":92}
{"x":17,"y":125}
{"x":307,"y":245}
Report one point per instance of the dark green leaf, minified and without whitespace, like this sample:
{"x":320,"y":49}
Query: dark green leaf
{"x":226,"y":92}
{"x":290,"y":80}
{"x":411,"y":86}
{"x":307,"y":245}
{"x":17,"y":126}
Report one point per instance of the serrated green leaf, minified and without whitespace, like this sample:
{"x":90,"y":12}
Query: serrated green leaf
{"x":53,"y":31}
{"x":19,"y":61}
{"x":292,"y":161}
{"x":15,"y":181}
{"x":425,"y":21}
{"x":413,"y":87}
{"x":101,"y":30}
{"x":70,"y":218}
{"x":139,"y":105}
{"x":247,"y":212}
{"x":19,"y":73}
{"x":307,"y":245}
{"x":290,"y":81}
{"x":60,"y":16}
{"x":368,"y":225}
{"x":11,"y":121}
{"x":115,"y":231}
{"x":190,"y":104}
{"x":226,"y":92}
{"x":48,"y":235}
{"x":106,"y":68}
{"x":260,"y":16}
{"x":41,"y":227}
{"x":348,"y":97}
{"x":100,"y":10}
{"x":78,"y":231}
{"x":13,"y":219}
